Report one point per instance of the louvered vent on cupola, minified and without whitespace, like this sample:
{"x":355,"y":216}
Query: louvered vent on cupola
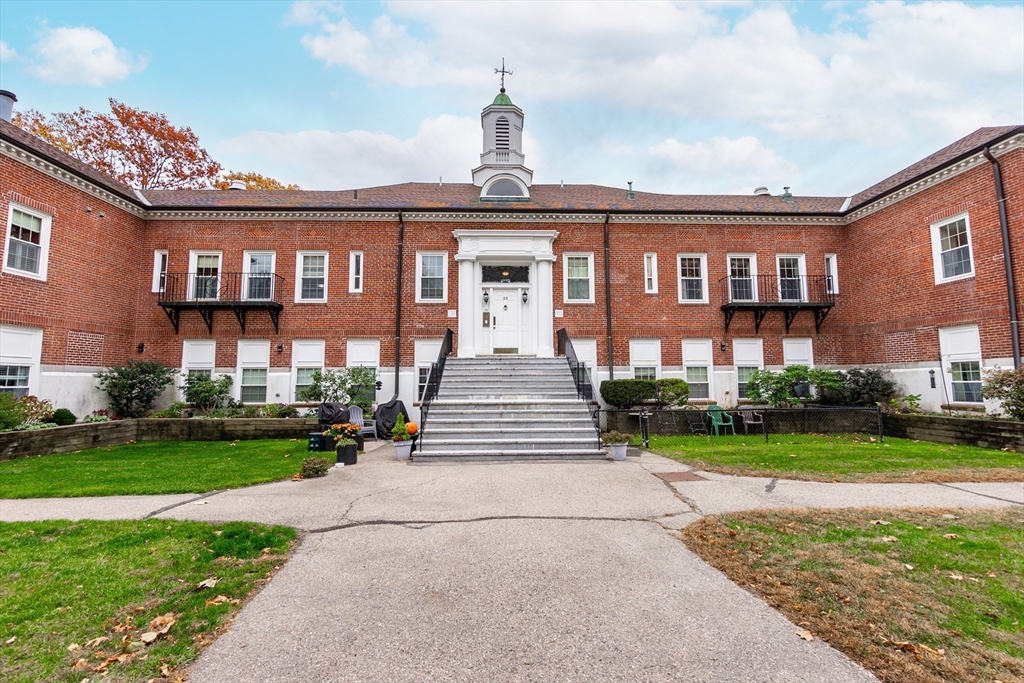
{"x":501,"y":133}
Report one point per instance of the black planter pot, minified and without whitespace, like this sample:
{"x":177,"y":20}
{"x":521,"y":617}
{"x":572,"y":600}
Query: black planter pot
{"x":359,"y":442}
{"x":347,"y":454}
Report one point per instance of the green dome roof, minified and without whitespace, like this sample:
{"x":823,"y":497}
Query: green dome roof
{"x":503,"y":99}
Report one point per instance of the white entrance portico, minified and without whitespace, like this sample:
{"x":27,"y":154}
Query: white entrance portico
{"x":510,"y":314}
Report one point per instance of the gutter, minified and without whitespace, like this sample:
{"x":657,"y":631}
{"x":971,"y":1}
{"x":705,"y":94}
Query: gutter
{"x":1011,"y":287}
{"x":398,"y":302}
{"x":608,"y":295}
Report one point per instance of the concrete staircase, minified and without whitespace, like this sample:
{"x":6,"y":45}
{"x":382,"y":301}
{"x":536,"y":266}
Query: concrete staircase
{"x":508,"y":408}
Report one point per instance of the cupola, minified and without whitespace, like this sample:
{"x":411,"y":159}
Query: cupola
{"x":502,"y":174}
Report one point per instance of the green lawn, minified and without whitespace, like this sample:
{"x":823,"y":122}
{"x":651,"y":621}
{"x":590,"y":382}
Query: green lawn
{"x":841,"y":457}
{"x":66,"y":584}
{"x":152,"y":467}
{"x":916,"y":596}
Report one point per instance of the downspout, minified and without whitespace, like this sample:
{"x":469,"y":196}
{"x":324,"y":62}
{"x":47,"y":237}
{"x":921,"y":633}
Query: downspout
{"x":608,"y":295}
{"x":398,"y":303}
{"x":1004,"y":228}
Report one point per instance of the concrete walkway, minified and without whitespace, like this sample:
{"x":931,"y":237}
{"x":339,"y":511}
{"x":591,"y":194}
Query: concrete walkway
{"x":509,"y":572}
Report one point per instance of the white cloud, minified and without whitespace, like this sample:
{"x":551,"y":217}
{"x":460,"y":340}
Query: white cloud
{"x":712,"y":165}
{"x":445,"y":146}
{"x":947,"y":66}
{"x":613,"y":148}
{"x":306,"y":12}
{"x":7,"y":53}
{"x":82,"y":55}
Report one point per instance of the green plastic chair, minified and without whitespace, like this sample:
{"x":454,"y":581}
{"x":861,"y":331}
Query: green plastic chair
{"x":720,"y":419}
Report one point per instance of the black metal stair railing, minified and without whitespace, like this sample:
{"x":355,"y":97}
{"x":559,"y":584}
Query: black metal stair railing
{"x":580,"y":375}
{"x":434,"y":380}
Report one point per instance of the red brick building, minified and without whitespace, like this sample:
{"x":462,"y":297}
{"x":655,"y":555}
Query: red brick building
{"x":910,"y":275}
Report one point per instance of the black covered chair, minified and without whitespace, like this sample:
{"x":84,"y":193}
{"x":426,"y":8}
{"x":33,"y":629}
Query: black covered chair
{"x":331,"y":414}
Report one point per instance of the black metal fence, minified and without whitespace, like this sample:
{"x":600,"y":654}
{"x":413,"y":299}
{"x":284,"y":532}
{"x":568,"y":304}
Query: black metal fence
{"x":772,"y":289}
{"x":793,"y":424}
{"x":220,"y":287}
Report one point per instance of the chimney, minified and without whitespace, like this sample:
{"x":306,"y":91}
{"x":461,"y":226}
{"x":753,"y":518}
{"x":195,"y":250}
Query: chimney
{"x":7,"y":100}
{"x":760,"y":191}
{"x":787,"y":196}
{"x":629,"y":193}
{"x":237,"y":185}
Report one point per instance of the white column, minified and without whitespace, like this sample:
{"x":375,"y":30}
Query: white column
{"x":467,"y":307}
{"x":545,"y":308}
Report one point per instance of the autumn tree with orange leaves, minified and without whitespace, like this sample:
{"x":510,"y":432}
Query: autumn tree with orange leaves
{"x":139,"y":148}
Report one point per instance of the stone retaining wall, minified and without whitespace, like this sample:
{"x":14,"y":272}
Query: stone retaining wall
{"x":95,"y":434}
{"x":958,"y":430}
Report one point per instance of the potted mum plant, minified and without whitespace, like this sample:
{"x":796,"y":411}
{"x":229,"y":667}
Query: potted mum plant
{"x":617,"y":442}
{"x":344,"y":435}
{"x":403,"y":440}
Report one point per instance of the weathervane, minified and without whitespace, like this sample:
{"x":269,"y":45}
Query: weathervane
{"x":503,"y":73}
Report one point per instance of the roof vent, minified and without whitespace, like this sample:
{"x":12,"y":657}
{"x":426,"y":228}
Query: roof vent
{"x":759,"y":191}
{"x":7,"y":100}
{"x":629,"y":193}
{"x":237,"y":185}
{"x":787,"y":196}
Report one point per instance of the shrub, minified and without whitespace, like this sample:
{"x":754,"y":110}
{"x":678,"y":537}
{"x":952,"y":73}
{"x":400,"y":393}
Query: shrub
{"x":36,"y":409}
{"x":32,"y":426}
{"x":626,"y":393}
{"x":12,"y":412}
{"x":63,"y":417}
{"x":315,"y":467}
{"x":133,"y":388}
{"x":207,"y":394}
{"x":287,"y":411}
{"x":615,"y":437}
{"x":672,"y":391}
{"x":862,"y":387}
{"x":354,"y":386}
{"x":252,"y":411}
{"x":1006,"y":386}
{"x":399,"y":432}
{"x":784,"y":388}
{"x":102,"y":415}
{"x":171,"y":411}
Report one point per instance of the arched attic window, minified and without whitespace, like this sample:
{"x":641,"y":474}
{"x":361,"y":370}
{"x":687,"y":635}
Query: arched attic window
{"x":504,"y":188}
{"x":501,"y":133}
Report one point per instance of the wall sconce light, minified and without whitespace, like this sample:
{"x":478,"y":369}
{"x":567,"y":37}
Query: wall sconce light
{"x":504,"y":272}
{"x":487,"y":297}
{"x":524,"y":296}
{"x":141,"y":347}
{"x":280,"y":347}
{"x":931,"y":377}
{"x":721,"y":345}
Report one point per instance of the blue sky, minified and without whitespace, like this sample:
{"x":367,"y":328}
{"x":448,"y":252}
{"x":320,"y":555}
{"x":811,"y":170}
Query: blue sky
{"x":694,"y":97}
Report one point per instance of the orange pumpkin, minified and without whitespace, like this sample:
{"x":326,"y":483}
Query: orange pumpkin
{"x":411,"y":428}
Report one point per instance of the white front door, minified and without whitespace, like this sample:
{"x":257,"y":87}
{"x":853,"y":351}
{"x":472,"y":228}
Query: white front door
{"x":506,"y":320}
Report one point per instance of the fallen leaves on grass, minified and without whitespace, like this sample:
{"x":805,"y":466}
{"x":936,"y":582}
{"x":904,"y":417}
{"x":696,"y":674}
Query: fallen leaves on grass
{"x":806,"y":635}
{"x":890,"y":539}
{"x":208,"y":583}
{"x":221,"y":599}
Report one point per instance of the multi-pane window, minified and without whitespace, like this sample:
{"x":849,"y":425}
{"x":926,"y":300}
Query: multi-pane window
{"x":313,"y":285}
{"x":431,"y":285}
{"x":355,"y":272}
{"x":651,"y":273}
{"x":743,"y":376}
{"x":691,"y":278}
{"x":24,"y":244}
{"x":578,"y":280}
{"x":741,"y":278}
{"x":966,"y":381}
{"x":259,"y":276}
{"x":790,"y":279}
{"x":159,"y":271}
{"x":303,"y":378}
{"x":14,"y":379}
{"x":254,"y":385}
{"x":955,"y":249}
{"x":206,"y":281}
{"x":645,"y":372}
{"x":697,"y":378}
{"x":421,"y":382}
{"x":831,"y":275}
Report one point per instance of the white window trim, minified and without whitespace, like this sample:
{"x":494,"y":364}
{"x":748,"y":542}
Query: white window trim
{"x":652,"y":258}
{"x":352,"y":256}
{"x":158,"y":254}
{"x":703,"y":276}
{"x":444,"y":277}
{"x":948,"y":336}
{"x":635,"y":363}
{"x":589,"y":255}
{"x":187,"y":365}
{"x":246,"y":266}
{"x":242,"y":365}
{"x":803,"y":275}
{"x":937,"y":248}
{"x":298,"y":275}
{"x":296,"y":363}
{"x":746,"y":364}
{"x":834,"y":274}
{"x":753,"y":272}
{"x":193,"y":261}
{"x":708,"y":363}
{"x":810,"y":347}
{"x":45,"y":223}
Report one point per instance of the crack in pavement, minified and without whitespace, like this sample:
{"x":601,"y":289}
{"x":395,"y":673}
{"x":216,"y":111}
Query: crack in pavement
{"x":344,"y":515}
{"x":165,"y":508}
{"x":770,"y":486}
{"x":983,"y":495}
{"x":418,"y":524}
{"x":692,"y":504}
